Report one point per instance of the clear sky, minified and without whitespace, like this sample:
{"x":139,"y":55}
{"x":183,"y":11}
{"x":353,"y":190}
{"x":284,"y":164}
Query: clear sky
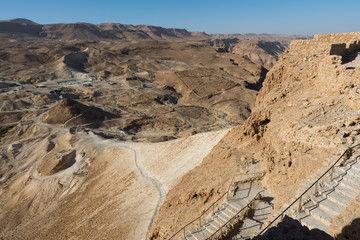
{"x":229,"y":16}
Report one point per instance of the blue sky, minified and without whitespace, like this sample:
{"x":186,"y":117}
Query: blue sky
{"x":231,"y":16}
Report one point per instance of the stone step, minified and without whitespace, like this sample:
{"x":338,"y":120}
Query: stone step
{"x":189,"y":235}
{"x":220,"y":221}
{"x":341,"y":187}
{"x":300,"y":215}
{"x":341,"y":170}
{"x":322,"y":215}
{"x":353,"y":173}
{"x":334,"y":196}
{"x":248,"y":228}
{"x":262,"y":215}
{"x":229,"y":213}
{"x":222,"y":206}
{"x":355,"y":163}
{"x":309,"y":206}
{"x":223,"y":216}
{"x":339,"y":198}
{"x":352,"y":178}
{"x":356,"y":166}
{"x":351,"y":184}
{"x":210,"y":228}
{"x":198,"y":235}
{"x":215,"y":224}
{"x":328,"y":205}
{"x":312,"y":223}
{"x":346,"y":190}
{"x":235,"y":205}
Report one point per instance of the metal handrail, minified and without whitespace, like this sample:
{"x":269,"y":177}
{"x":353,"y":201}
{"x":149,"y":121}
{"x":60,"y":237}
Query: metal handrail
{"x":236,"y":215}
{"x":299,"y":198}
{"x":199,"y":218}
{"x":212,"y":206}
{"x":256,"y":175}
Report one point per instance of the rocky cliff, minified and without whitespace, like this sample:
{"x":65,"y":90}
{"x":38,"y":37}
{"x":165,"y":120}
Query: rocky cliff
{"x":262,"y":52}
{"x":306,"y":114}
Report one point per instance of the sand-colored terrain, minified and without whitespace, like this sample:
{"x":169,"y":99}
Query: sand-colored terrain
{"x":107,"y":138}
{"x":148,"y":90}
{"x":80,"y":181}
{"x":95,"y":134}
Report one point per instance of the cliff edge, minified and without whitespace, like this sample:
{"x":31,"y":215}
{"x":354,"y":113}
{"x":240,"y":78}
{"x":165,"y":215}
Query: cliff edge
{"x":306,"y":115}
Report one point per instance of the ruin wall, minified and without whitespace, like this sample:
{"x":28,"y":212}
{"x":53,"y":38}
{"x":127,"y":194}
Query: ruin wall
{"x":328,"y":44}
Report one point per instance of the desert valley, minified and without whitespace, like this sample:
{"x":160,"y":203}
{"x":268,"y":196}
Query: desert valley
{"x":115,"y":131}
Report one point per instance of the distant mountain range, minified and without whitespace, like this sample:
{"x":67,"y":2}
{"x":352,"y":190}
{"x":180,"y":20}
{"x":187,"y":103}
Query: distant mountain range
{"x":86,"y":31}
{"x":21,"y":27}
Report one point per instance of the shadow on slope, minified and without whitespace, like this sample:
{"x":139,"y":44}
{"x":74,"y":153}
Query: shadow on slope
{"x":292,"y":229}
{"x":351,"y":231}
{"x":72,"y":113}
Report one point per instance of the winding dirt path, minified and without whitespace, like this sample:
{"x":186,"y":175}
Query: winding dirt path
{"x":159,"y":186}
{"x":95,"y":139}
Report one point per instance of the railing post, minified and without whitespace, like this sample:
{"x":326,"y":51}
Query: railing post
{"x":221,"y":233}
{"x":184,"y":233}
{"x":347,"y":154}
{"x":331,"y":174}
{"x":316,"y":193}
{"x":259,"y":196}
{"x":200,"y":221}
{"x":282,"y":217}
{"x":299,"y":209}
{"x":213,"y":207}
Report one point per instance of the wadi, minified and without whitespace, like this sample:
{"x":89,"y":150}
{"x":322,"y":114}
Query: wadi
{"x":115,"y":131}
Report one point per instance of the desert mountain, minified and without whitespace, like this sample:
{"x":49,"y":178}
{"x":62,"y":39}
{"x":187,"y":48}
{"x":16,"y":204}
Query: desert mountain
{"x":262,"y":36}
{"x":22,"y":21}
{"x":262,"y":49}
{"x":115,"y":31}
{"x":87,"y":31}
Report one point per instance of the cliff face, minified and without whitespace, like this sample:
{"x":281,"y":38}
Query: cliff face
{"x":261,"y":52}
{"x":306,"y":114}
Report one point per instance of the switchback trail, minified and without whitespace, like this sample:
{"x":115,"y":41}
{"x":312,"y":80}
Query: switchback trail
{"x":159,"y":186}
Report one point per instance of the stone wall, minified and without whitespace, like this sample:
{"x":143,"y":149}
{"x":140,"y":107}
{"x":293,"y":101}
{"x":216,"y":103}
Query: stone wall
{"x":327,"y":44}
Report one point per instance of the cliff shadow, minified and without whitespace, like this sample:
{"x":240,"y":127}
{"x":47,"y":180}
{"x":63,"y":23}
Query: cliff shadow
{"x":351,"y":231}
{"x":291,"y":228}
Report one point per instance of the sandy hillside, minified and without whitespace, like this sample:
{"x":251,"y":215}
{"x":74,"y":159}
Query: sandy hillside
{"x":103,"y":181}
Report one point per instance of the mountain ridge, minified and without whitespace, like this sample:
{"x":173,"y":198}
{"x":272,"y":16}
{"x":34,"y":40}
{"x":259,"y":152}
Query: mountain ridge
{"x":21,"y":27}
